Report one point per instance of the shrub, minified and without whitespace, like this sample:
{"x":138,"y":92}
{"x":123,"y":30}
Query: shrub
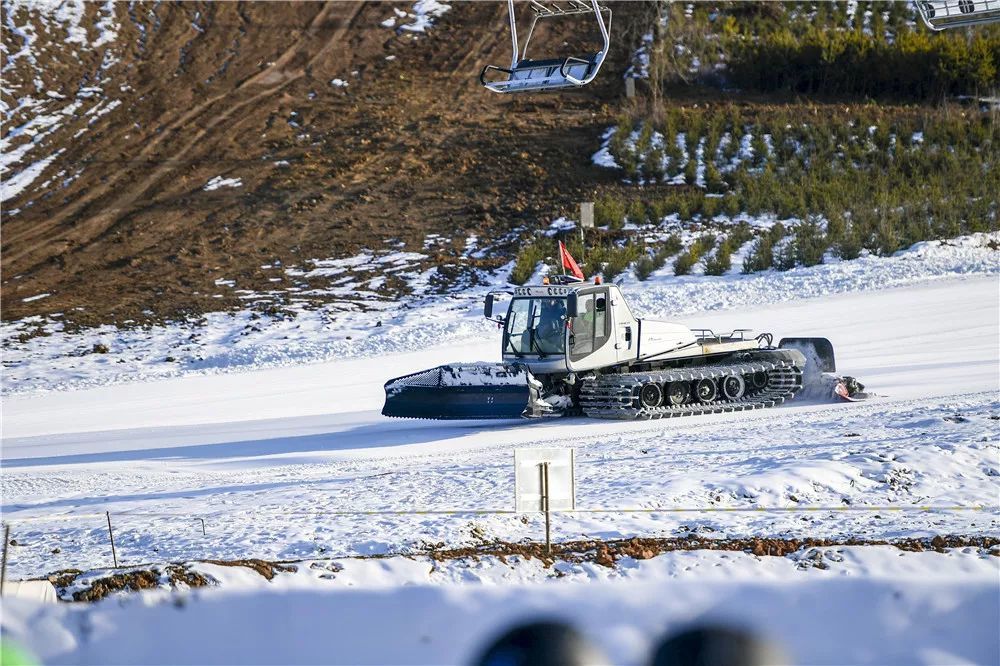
{"x":713,"y":179}
{"x":684,"y":263}
{"x":731,"y":205}
{"x":720,"y":262}
{"x":652,"y":165}
{"x":670,"y":246}
{"x":760,"y":257}
{"x":647,"y":263}
{"x":527,"y":261}
{"x":849,"y":245}
{"x":645,"y":266}
{"x":836,"y":226}
{"x":887,"y":235}
{"x":785,"y":259}
{"x":698,"y":249}
{"x":759,"y":146}
{"x":810,"y":244}
{"x":710,"y":206}
{"x":637,"y":212}
{"x":691,"y":172}
{"x":609,"y":211}
{"x":618,"y":259}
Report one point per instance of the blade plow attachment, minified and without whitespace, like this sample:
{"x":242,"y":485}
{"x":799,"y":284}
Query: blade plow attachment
{"x":469,"y":391}
{"x":816,"y":350}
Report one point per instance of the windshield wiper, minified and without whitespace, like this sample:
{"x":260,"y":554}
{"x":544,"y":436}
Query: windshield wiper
{"x":534,"y":344}
{"x":510,"y":345}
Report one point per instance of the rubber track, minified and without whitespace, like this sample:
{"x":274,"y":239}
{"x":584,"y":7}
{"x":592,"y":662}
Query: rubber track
{"x":617,"y":396}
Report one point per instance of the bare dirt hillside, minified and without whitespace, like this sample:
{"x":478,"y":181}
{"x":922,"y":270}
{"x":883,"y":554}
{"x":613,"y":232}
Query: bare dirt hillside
{"x":151,"y":102}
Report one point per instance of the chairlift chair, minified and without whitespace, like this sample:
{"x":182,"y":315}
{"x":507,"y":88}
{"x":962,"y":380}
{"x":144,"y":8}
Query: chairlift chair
{"x":941,"y":14}
{"x":527,"y":75}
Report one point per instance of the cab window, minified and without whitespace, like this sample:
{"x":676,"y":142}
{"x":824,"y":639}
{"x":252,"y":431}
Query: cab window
{"x":589,"y":329}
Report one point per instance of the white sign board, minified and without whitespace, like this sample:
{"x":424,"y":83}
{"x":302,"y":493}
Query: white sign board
{"x":587,"y":215}
{"x":529,"y":474}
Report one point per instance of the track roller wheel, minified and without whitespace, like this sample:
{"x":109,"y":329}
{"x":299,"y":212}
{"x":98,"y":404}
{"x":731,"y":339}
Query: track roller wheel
{"x":650,"y":395}
{"x":678,"y":392}
{"x":706,"y":390}
{"x":733,"y":387}
{"x":758,"y":380}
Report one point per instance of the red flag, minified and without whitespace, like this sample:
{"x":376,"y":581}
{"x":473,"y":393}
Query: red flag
{"x":568,"y":262}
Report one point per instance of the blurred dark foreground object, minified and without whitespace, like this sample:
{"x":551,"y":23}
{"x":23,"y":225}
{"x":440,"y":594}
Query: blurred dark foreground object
{"x":557,"y":644}
{"x":717,"y":646}
{"x":537,"y":643}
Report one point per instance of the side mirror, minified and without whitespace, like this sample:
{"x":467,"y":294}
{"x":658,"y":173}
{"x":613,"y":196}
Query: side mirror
{"x":488,"y":307}
{"x":602,"y":304}
{"x":571,"y":305}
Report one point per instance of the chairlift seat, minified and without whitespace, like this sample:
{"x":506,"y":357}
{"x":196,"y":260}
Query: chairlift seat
{"x":527,"y":75}
{"x":941,"y":14}
{"x":552,"y":74}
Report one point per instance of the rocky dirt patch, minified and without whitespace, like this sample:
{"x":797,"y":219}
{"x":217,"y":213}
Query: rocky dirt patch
{"x":607,"y":553}
{"x":76,"y":585}
{"x":263,"y":567}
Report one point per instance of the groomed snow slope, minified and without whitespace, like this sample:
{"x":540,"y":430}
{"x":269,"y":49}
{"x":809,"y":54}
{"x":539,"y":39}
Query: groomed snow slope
{"x":263,"y":456}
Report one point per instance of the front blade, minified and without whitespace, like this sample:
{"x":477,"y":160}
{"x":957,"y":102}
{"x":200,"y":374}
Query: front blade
{"x":471,"y":391}
{"x":817,"y":351}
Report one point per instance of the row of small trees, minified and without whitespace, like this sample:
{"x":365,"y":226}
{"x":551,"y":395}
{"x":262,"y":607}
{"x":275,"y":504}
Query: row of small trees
{"x":881,"y":51}
{"x":729,"y":140}
{"x":878,"y":230}
{"x":917,"y":65}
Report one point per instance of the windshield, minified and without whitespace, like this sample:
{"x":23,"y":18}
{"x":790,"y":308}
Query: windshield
{"x":536,"y":326}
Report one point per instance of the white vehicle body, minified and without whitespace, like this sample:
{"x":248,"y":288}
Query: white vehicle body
{"x":618,"y":338}
{"x":572,"y":347}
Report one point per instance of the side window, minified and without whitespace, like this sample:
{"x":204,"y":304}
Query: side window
{"x":583,"y":326}
{"x":590,"y":327}
{"x":600,"y":320}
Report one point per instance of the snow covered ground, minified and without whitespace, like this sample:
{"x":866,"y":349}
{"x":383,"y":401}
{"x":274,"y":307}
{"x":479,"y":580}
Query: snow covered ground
{"x":264,"y":457}
{"x":271,"y":456}
{"x":822,"y":621}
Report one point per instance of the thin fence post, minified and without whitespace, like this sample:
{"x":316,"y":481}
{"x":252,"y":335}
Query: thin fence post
{"x":202,"y":526}
{"x":3,"y":565}
{"x":111,"y":535}
{"x":545,"y":508}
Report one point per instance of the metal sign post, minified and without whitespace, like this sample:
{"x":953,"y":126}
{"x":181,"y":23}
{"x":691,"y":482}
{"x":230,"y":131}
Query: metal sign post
{"x":111,"y":535}
{"x":544,"y":469}
{"x":544,"y":480}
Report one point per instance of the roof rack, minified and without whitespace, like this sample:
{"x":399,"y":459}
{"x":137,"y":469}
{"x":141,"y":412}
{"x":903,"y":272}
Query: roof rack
{"x":527,"y":75}
{"x":941,"y":14}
